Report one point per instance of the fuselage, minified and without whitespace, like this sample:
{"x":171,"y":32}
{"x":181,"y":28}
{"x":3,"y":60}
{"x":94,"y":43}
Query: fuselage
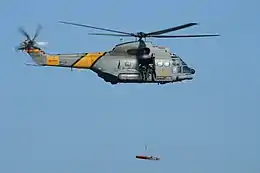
{"x":120,"y":65}
{"x":121,"y":69}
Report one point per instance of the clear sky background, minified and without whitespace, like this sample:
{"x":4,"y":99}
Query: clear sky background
{"x":57,"y":121}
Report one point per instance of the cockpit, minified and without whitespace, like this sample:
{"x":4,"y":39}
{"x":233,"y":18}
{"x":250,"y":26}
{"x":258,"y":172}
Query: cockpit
{"x":182,"y":67}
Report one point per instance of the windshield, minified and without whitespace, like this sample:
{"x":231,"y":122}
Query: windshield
{"x":175,"y":57}
{"x":183,"y":63}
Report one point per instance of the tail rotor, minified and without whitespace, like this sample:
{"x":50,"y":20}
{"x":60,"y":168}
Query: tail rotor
{"x":30,"y":43}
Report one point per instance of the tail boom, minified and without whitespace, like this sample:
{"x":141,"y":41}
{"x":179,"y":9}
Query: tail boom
{"x":74,"y":60}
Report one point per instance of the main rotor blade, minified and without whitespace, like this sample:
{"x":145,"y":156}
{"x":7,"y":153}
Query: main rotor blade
{"x":39,"y":27}
{"x":104,"y":34}
{"x":184,"y":36}
{"x":171,"y":29}
{"x":24,"y":33}
{"x":104,"y":29}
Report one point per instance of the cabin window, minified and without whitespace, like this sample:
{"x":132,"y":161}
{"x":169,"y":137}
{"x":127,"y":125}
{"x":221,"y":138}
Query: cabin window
{"x":127,"y":64}
{"x":166,"y":64}
{"x":178,"y":69}
{"x":175,"y":62}
{"x":159,"y":63}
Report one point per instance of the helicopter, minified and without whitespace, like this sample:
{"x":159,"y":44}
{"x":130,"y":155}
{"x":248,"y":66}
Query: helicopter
{"x":137,"y":61}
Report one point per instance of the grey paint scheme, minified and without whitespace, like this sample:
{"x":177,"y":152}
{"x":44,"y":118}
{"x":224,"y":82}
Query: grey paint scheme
{"x":66,"y":60}
{"x":117,"y":66}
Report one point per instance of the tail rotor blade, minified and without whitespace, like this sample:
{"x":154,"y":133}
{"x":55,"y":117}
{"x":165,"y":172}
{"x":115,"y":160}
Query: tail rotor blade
{"x":28,"y":42}
{"x":17,"y":48}
{"x":21,"y":30}
{"x":37,"y":32}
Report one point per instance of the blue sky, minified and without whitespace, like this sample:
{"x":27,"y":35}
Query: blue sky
{"x":57,"y":121}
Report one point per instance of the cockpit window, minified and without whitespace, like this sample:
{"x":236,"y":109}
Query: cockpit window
{"x":175,"y":61}
{"x":183,"y":63}
{"x":173,"y":56}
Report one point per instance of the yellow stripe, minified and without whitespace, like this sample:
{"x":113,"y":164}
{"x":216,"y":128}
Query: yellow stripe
{"x":33,"y":50}
{"x":36,"y":50}
{"x":52,"y":60}
{"x":88,"y":60}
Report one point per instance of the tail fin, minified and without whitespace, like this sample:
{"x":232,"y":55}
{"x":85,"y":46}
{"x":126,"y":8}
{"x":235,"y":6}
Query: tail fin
{"x":37,"y":54}
{"x":29,"y":45}
{"x":41,"y":58}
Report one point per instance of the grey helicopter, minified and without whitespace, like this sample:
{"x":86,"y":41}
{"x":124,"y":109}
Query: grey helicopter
{"x":137,"y":61}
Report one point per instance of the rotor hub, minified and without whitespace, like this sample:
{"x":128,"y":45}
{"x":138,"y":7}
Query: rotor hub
{"x":140,"y":34}
{"x":29,"y":42}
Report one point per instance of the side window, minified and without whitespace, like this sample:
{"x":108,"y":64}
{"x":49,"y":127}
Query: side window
{"x":127,"y":64}
{"x":166,"y":64}
{"x":159,"y":63}
{"x":163,"y":64}
{"x":178,"y":69}
{"x":175,"y":62}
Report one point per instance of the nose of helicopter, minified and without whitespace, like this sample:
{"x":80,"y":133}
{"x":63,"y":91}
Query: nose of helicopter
{"x":192,"y":71}
{"x":189,"y":70}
